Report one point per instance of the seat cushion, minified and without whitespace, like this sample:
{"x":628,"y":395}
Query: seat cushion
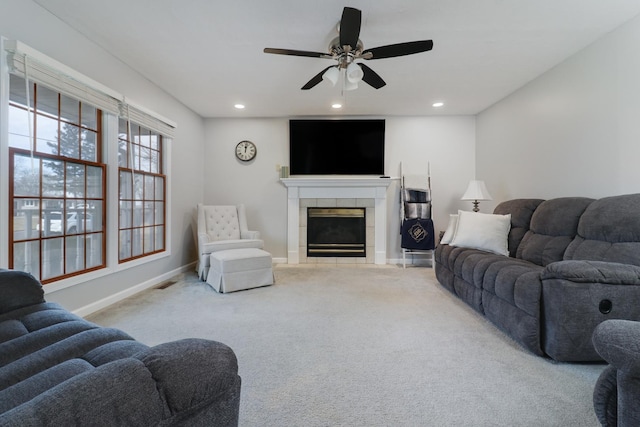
{"x":234,"y":260}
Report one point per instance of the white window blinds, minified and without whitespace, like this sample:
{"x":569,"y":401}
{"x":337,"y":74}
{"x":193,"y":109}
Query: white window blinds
{"x":32,"y":65}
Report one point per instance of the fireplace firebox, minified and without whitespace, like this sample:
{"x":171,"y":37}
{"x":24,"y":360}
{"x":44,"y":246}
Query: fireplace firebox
{"x":336,"y":232}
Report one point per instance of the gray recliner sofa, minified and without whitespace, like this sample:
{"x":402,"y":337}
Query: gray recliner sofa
{"x":57,"y":369}
{"x":573,"y":262}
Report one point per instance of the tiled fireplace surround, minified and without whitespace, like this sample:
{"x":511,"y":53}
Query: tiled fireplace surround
{"x":370,"y":193}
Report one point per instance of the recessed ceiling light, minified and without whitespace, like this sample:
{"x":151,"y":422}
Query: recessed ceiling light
{"x":437,"y":104}
{"x":239,"y":106}
{"x":336,"y":106}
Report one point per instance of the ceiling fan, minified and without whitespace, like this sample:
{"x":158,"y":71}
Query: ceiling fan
{"x":347,"y":48}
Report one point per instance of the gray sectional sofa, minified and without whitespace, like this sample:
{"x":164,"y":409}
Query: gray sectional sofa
{"x":57,"y":369}
{"x":573,"y":263}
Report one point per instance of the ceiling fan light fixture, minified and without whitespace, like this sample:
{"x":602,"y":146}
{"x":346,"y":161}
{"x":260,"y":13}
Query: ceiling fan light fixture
{"x":332,"y":75}
{"x":349,"y":85}
{"x":354,"y":73}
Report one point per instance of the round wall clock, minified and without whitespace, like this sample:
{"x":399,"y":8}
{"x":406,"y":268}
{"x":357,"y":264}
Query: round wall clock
{"x":246,"y":151}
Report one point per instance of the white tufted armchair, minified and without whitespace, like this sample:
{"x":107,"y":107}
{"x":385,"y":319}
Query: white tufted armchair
{"x":221,"y":228}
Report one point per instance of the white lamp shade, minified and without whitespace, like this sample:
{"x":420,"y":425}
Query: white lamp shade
{"x":349,"y":85}
{"x":354,"y":73}
{"x":332,"y":75}
{"x":476,"y":190}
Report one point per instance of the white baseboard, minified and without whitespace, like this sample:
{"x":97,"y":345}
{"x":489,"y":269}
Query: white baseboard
{"x":282,"y":260}
{"x":117,"y":297}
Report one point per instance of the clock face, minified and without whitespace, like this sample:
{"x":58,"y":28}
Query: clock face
{"x":246,"y":150}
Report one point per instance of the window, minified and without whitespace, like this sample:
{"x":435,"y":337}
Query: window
{"x":56,"y":183}
{"x":68,"y":140}
{"x":141,"y":192}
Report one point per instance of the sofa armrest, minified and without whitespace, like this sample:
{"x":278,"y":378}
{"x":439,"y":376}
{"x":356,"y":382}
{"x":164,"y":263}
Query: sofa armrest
{"x":192,"y":374}
{"x":579,"y":295}
{"x":248,"y":234}
{"x":593,"y":272}
{"x":19,"y":289}
{"x":203,"y":239}
{"x":617,"y":391}
{"x":123,"y":390}
{"x":618,"y":342}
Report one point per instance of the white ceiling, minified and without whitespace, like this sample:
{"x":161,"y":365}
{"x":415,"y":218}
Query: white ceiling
{"x":208,"y":53}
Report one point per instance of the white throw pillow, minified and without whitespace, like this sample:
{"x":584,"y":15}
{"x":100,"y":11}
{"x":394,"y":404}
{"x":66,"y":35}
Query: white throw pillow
{"x":451,"y":229}
{"x":487,"y":232}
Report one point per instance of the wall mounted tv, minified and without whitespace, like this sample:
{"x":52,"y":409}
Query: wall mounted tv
{"x":336,"y":147}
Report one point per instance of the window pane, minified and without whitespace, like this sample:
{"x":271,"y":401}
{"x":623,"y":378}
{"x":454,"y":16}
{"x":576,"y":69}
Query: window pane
{"x":46,"y":135}
{"x":52,"y":222}
{"x":88,"y":146}
{"x":26,"y":257}
{"x":148,"y":187}
{"x":155,"y":142}
{"x":138,"y":191}
{"x":149,"y":208}
{"x":70,"y":141}
{"x":26,"y":176}
{"x":125,"y":185}
{"x":52,"y":178}
{"x":18,"y":91}
{"x":69,"y":110}
{"x":89,"y":116}
{"x":94,"y":250}
{"x":126,"y":212}
{"x":159,"y":213}
{"x":46,"y":101}
{"x":136,"y":242}
{"x":94,"y":215}
{"x":52,"y":258}
{"x":94,"y":182}
{"x":145,"y":159}
{"x":19,"y":128}
{"x":26,"y":219}
{"x":159,"y":188}
{"x":148,"y":240}
{"x":125,"y":244}
{"x":75,"y":180}
{"x":74,"y":254}
{"x":159,"y":240}
{"x":123,"y":154}
{"x":137,"y":214}
{"x":155,"y":162}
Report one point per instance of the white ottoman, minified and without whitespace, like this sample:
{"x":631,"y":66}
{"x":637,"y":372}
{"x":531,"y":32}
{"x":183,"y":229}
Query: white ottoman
{"x":238,"y":269}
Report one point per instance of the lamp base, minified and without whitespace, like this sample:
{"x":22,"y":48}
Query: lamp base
{"x":475,"y":206}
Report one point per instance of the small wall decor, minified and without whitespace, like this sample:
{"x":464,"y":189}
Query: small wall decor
{"x":246,"y":151}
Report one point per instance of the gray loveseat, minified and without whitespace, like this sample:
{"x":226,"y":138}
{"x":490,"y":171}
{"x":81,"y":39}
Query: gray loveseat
{"x":57,"y":369}
{"x":573,"y":263}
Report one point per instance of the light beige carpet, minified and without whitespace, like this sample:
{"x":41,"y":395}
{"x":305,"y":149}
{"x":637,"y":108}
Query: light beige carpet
{"x":347,"y":346}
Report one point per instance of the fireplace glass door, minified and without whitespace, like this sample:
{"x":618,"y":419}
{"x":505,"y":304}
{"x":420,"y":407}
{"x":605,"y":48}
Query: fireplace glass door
{"x":336,"y":232}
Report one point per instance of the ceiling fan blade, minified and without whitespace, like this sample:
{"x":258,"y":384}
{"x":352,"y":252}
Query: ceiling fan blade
{"x":350,"y":27}
{"x":316,"y":79}
{"x":371,"y":78}
{"x":399,"y":49}
{"x":297,"y":53}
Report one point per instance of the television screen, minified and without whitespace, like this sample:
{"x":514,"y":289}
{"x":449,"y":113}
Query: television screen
{"x":336,"y":147}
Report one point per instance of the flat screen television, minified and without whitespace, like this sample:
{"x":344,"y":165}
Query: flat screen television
{"x":336,"y":147}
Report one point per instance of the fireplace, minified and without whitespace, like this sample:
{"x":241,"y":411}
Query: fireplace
{"x":367,"y":192}
{"x":336,"y":232}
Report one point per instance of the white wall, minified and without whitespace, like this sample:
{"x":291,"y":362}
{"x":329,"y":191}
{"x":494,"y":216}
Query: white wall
{"x":574,"y":131}
{"x":32,"y":25}
{"x":447,"y":143}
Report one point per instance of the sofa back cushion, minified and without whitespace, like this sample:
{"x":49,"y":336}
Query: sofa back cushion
{"x":521,"y":211}
{"x":609,"y":230}
{"x":553,"y":226}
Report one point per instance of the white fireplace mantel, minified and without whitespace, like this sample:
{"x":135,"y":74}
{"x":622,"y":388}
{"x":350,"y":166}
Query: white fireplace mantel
{"x":347,"y":187}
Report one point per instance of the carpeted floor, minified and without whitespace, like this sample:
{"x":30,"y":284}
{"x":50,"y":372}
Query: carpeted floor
{"x":368,"y":346}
